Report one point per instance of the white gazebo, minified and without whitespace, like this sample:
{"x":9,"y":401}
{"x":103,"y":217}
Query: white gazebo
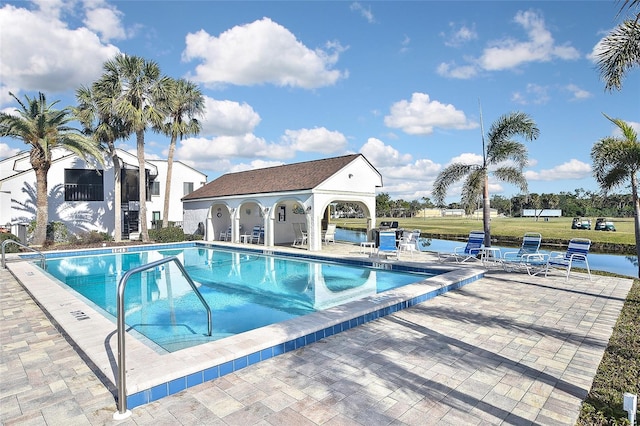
{"x":279,"y":199}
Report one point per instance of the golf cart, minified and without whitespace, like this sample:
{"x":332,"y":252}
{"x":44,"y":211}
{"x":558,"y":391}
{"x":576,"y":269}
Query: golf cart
{"x":580,"y":223}
{"x":604,"y":225}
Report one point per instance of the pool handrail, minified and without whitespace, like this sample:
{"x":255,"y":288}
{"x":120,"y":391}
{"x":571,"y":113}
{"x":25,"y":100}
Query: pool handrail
{"x":5,"y":242}
{"x":122,"y":412}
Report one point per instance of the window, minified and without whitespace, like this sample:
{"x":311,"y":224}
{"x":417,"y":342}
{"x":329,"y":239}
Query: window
{"x":83,"y":185}
{"x":155,"y":188}
{"x":188,"y":188}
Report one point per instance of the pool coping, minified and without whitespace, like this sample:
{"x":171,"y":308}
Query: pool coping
{"x":151,"y":376}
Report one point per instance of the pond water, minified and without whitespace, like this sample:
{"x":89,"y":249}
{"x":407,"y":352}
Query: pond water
{"x":619,"y":264}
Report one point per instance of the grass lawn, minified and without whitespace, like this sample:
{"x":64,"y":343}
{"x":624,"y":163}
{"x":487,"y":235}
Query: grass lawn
{"x":619,"y":370}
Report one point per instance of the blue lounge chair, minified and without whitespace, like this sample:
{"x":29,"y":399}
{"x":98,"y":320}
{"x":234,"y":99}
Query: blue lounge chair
{"x":528,"y":258}
{"x":387,"y":246}
{"x":468,"y":252}
{"x":576,"y":253}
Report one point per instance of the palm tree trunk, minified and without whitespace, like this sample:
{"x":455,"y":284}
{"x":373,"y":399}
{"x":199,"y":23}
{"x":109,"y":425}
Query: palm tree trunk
{"x":167,"y":186}
{"x":42,"y":206}
{"x":486,"y":212}
{"x":142,"y":187}
{"x":636,"y":205}
{"x":117,"y":195}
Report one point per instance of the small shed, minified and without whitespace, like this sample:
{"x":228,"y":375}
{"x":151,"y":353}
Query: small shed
{"x":278,"y":200}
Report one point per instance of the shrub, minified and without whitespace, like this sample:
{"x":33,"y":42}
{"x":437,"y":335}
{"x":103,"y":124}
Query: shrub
{"x":9,"y":248}
{"x":167,"y":235}
{"x":90,"y":237}
{"x":193,"y":237}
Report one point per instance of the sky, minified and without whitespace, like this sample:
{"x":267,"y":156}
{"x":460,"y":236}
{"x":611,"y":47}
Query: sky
{"x":410,"y":85}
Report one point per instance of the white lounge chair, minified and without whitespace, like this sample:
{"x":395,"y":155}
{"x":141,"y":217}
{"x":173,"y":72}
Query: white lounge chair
{"x":330,"y":234}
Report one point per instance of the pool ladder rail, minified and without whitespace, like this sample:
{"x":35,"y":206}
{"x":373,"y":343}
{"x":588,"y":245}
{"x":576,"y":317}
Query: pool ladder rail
{"x":18,"y":243}
{"x":123,"y":412}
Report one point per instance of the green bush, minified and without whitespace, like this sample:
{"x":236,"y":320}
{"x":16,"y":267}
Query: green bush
{"x":90,"y":237}
{"x":167,"y":235}
{"x":57,"y":232}
{"x":9,"y":248}
{"x":193,"y":237}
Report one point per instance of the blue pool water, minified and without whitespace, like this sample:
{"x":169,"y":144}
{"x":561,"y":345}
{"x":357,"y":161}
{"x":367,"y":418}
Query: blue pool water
{"x":244,"y":290}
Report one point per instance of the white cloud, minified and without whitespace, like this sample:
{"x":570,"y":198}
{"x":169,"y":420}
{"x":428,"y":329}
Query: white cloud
{"x":39,"y":52}
{"x":462,"y":72}
{"x":364,"y":12}
{"x":6,"y":151}
{"x":107,"y":22}
{"x":261,"y":52}
{"x":382,"y":155}
{"x":578,"y":93}
{"x":317,"y":139}
{"x":421,"y":115}
{"x":573,"y":169}
{"x":540,"y":46}
{"x":228,"y":118}
{"x":202,"y":150}
{"x":459,"y":35}
{"x":402,"y":176}
{"x":467,"y":158}
{"x":509,"y":53}
{"x":534,"y":94}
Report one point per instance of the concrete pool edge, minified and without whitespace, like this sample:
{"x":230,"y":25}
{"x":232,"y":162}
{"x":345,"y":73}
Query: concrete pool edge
{"x":151,"y":376}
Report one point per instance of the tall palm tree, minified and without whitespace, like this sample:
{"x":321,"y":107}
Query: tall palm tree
{"x":616,"y":160}
{"x":45,"y":128}
{"x":620,"y":49}
{"x":106,"y":129}
{"x":505,"y":156}
{"x":138,"y":91}
{"x":184,"y":104}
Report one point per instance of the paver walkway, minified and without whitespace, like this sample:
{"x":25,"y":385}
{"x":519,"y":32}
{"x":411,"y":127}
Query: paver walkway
{"x":506,"y":349}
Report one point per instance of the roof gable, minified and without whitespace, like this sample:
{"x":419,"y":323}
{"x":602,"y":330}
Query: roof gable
{"x":290,"y":177}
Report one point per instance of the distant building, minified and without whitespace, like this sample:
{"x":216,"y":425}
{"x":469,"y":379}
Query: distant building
{"x":477,"y":214}
{"x":453,"y":212}
{"x":541,"y":213}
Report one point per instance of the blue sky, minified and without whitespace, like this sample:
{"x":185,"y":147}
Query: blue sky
{"x":288,"y":81}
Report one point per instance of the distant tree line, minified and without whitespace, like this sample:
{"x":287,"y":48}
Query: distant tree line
{"x":581,"y":202}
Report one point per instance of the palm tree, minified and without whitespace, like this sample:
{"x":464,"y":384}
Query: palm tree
{"x":106,"y":129}
{"x":45,"y":128}
{"x":509,"y":157}
{"x":137,"y":92}
{"x":620,"y":49}
{"x":616,"y":160}
{"x":185,"y":102}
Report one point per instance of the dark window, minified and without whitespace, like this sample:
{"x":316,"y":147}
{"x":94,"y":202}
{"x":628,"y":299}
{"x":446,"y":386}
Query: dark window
{"x":129,"y":185}
{"x":83,"y":185}
{"x":155,"y":188}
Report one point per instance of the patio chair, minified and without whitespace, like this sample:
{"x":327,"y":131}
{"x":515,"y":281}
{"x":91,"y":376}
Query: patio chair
{"x":387,"y":244}
{"x":576,"y":253}
{"x":257,"y":234}
{"x":468,"y":252}
{"x":528,"y":258}
{"x":330,"y":234}
{"x":225,"y":235}
{"x":408,"y":242}
{"x":300,"y":235}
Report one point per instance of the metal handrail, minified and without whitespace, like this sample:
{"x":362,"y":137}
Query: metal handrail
{"x":122,"y":412}
{"x":5,"y":242}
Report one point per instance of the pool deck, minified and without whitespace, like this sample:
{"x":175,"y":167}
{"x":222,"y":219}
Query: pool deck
{"x":505,"y":349}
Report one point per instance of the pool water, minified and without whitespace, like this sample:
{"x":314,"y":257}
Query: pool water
{"x":244,"y":290}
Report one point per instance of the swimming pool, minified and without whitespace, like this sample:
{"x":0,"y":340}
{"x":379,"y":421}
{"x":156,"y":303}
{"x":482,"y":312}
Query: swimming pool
{"x":245,"y":290}
{"x":152,"y":374}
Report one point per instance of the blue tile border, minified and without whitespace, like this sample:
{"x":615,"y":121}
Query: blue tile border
{"x":214,"y":372}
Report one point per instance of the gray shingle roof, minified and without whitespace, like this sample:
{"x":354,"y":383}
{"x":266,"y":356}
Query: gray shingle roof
{"x":289,"y":177}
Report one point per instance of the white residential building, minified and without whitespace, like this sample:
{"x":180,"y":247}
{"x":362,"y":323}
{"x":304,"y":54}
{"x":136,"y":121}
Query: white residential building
{"x":81,"y":195}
